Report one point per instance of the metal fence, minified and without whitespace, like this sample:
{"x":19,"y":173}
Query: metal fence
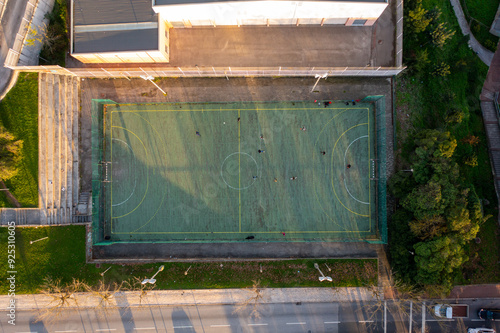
{"x":380,"y":164}
{"x":168,"y":71}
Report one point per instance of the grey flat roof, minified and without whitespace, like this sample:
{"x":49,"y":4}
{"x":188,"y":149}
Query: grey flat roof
{"x":87,"y":12}
{"x":180,"y":2}
{"x":115,"y":41}
{"x":114,"y":26}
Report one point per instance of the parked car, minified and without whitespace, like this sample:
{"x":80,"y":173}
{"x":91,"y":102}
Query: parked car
{"x":489,"y":314}
{"x":481,"y":330}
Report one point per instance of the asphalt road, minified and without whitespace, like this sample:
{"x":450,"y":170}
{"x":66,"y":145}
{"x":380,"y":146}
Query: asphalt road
{"x":289,"y":317}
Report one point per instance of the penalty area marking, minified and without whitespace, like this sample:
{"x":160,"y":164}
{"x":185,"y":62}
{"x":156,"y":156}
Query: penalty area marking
{"x":345,"y":185}
{"x":135,"y":180}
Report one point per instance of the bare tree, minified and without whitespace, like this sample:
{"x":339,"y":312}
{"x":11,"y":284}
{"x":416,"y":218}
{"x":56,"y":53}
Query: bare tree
{"x":62,"y":298}
{"x":105,"y":293}
{"x":143,"y":289}
{"x":254,"y":301}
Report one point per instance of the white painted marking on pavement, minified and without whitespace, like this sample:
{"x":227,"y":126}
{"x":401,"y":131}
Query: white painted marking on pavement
{"x":64,"y":331}
{"x":366,"y":321}
{"x":220,"y":325}
{"x":332,"y":322}
{"x":183,"y":326}
{"x":106,"y":329}
{"x":303,"y":323}
{"x":257,"y":324}
{"x":144,"y":328}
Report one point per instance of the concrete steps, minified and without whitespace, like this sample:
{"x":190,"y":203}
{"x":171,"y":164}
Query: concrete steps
{"x":58,"y":147}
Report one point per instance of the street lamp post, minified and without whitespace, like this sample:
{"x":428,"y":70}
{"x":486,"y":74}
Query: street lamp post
{"x":319,"y":77}
{"x":322,"y":277}
{"x":153,"y":280}
{"x":31,"y":242}
{"x":150,"y":79}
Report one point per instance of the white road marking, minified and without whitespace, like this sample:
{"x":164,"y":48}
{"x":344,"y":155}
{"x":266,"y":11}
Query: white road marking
{"x":220,"y":325}
{"x":183,"y":326}
{"x":332,"y":322}
{"x":302,"y":323}
{"x":64,"y":331}
{"x":106,"y":329}
{"x":366,"y":321}
{"x":257,"y":324}
{"x":144,"y":328}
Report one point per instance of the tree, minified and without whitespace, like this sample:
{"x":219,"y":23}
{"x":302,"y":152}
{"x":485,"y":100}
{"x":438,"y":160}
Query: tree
{"x":10,"y":154}
{"x":428,"y":228}
{"x":417,"y":18}
{"x":441,"y":34}
{"x":442,"y":69}
{"x":437,"y":259}
{"x":425,"y":201}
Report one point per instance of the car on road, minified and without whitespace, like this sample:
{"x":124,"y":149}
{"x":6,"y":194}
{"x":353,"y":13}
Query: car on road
{"x":489,"y":314}
{"x":481,"y":330}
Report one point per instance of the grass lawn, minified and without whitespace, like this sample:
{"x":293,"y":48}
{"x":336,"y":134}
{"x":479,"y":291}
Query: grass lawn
{"x":19,"y":115}
{"x":480,"y":15}
{"x":62,"y":256}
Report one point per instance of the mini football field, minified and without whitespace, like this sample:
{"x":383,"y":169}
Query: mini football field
{"x":234,"y":172}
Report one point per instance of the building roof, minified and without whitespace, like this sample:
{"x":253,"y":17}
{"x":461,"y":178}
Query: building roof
{"x":88,"y":12}
{"x":115,"y":41}
{"x":114,"y":26}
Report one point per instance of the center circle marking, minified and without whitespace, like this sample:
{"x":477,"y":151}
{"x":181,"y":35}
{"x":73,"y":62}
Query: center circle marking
{"x":232,"y":166}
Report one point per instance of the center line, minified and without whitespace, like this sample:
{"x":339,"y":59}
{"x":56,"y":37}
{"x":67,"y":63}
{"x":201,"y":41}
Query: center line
{"x":303,"y":323}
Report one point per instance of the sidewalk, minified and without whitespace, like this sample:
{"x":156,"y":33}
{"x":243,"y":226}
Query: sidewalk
{"x":200,"y":296}
{"x":485,"y":55}
{"x":476,"y":291}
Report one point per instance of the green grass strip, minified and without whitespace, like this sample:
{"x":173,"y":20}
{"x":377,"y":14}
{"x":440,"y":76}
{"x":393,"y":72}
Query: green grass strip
{"x":62,"y":256}
{"x":19,"y":115}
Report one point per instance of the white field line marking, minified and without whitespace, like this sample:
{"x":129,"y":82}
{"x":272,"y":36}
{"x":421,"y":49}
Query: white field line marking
{"x":257,"y":324}
{"x":183,"y":326}
{"x":331,"y":322}
{"x":345,"y":185}
{"x":302,"y":323}
{"x":220,"y":325}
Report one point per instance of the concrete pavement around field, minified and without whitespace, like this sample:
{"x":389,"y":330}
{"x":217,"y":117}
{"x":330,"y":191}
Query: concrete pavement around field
{"x":198,"y":296}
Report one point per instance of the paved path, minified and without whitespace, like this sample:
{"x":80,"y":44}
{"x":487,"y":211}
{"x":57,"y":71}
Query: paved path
{"x":485,"y":55}
{"x":15,"y":18}
{"x":204,"y":296}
